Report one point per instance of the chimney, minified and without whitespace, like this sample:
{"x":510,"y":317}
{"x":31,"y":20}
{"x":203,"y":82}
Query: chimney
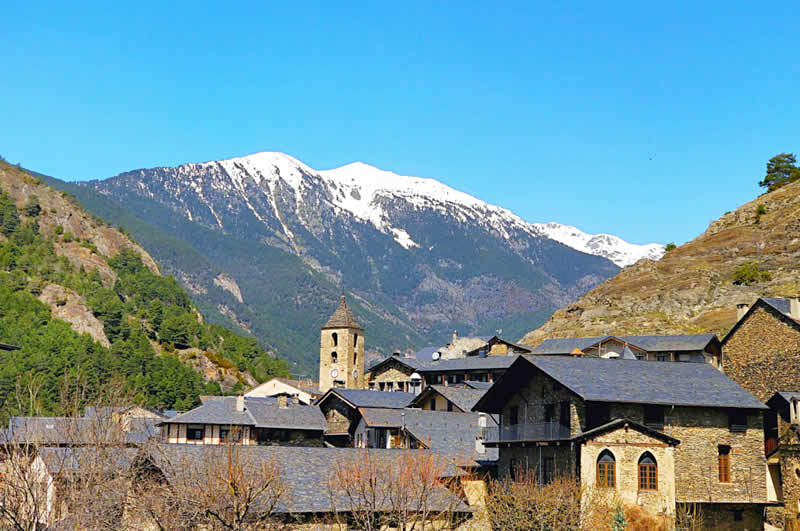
{"x":282,"y":401}
{"x":455,"y":337}
{"x":741,"y":310}
{"x":794,"y":308}
{"x":295,"y":400}
{"x":240,"y":403}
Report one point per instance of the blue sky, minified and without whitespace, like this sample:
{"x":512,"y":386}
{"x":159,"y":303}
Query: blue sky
{"x":645,"y":122}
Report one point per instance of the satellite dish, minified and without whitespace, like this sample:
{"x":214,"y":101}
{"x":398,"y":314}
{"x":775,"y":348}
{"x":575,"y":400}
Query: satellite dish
{"x":334,"y":373}
{"x":416,"y":376}
{"x":436,"y":355}
{"x":610,"y":356}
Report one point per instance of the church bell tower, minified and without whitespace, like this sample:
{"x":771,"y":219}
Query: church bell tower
{"x":341,"y":351}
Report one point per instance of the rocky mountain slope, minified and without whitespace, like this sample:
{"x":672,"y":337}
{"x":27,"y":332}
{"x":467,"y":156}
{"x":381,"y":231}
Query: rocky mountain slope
{"x":87,"y":303}
{"x":692,"y":288}
{"x":274,"y":243}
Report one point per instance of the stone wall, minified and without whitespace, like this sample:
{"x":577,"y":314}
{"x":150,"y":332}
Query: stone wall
{"x":542,"y":391}
{"x":789,"y":456}
{"x":393,"y":371}
{"x":348,"y":344}
{"x":338,"y":414}
{"x":628,"y":445}
{"x":722,"y":517}
{"x":701,"y":431}
{"x":763,"y":355}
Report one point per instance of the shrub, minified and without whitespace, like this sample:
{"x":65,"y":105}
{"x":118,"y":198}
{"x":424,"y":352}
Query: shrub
{"x":32,"y":207}
{"x":68,"y":237}
{"x":749,"y":273}
{"x":670,"y":246}
{"x":59,"y":228}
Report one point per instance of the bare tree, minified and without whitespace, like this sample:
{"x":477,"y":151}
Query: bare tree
{"x":405,"y":489}
{"x":230,"y":488}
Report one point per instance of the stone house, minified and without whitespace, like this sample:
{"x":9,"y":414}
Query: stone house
{"x":497,"y":346}
{"x":413,"y":375}
{"x":248,"y":421}
{"x":783,"y":454}
{"x":661,"y":435}
{"x":698,"y":348}
{"x":340,"y":407}
{"x":762,"y":350}
{"x":458,"y":398}
{"x":306,"y":391}
{"x":456,"y":434}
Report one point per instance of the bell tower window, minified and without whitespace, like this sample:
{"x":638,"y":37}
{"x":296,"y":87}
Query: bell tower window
{"x":334,"y":357}
{"x":335,"y":337}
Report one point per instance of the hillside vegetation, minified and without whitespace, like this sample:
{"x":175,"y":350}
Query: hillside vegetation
{"x":751,"y":252}
{"x":86,"y":305}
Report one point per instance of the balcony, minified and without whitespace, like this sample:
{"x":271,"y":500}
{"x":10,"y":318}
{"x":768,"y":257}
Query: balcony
{"x":546,"y":431}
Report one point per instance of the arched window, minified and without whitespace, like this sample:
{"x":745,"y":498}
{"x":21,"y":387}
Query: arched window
{"x":648,"y":472}
{"x":606,"y":470}
{"x":334,"y":356}
{"x":335,"y":337}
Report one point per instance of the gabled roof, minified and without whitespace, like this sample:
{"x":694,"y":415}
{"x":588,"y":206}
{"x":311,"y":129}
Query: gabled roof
{"x":625,"y":423}
{"x":493,"y":340}
{"x":258,"y":412}
{"x":368,"y":398}
{"x":671,"y":343}
{"x":342,"y":318}
{"x":69,"y":460}
{"x":309,"y":387}
{"x":639,"y":382}
{"x":444,"y":431}
{"x":780,"y":308}
{"x":306,"y":472}
{"x":468,"y":364}
{"x":481,"y":386}
{"x":463,"y":398}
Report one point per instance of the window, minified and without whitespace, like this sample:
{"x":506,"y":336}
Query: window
{"x":355,"y":340}
{"x":513,"y":414}
{"x":334,"y":357}
{"x":606,"y":470}
{"x":724,"y":464}
{"x":195,"y":432}
{"x":738,"y":515}
{"x":663,"y":356}
{"x":449,"y":406}
{"x":564,"y":414}
{"x":335,"y":337}
{"x":433,"y":404}
{"x":223,"y":434}
{"x":654,"y":417}
{"x":737,"y":420}
{"x":549,"y":412}
{"x":648,"y":472}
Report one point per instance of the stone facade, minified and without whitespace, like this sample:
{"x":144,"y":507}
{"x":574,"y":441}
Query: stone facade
{"x":390,"y":376}
{"x":628,"y":446}
{"x":341,"y":359}
{"x":762,"y":354}
{"x":789,"y":457}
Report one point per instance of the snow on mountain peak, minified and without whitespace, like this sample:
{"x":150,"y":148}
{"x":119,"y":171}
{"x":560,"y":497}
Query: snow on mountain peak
{"x":612,"y":247}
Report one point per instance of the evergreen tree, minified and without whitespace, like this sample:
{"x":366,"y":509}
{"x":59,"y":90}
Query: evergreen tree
{"x":781,"y":170}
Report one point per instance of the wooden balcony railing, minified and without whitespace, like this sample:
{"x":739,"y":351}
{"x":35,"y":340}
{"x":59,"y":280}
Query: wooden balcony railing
{"x":545,"y":431}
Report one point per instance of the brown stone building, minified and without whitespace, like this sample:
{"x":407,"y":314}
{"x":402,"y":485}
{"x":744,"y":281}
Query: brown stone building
{"x":341,"y":351}
{"x":661,"y":435}
{"x":341,"y":409}
{"x":762,"y":351}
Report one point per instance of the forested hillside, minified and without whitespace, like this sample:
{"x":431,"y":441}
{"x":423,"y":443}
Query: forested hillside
{"x":86,"y":304}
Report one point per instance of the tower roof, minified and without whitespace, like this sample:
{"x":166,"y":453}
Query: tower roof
{"x":342,"y":318}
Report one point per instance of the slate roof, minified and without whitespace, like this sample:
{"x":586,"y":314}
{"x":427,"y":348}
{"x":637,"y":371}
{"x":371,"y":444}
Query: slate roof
{"x":466,"y":364}
{"x":463,"y":397}
{"x":481,"y":386}
{"x":782,"y":305}
{"x":67,"y":460}
{"x":425,"y":354}
{"x":311,"y":388}
{"x":672,"y":343}
{"x":50,"y":430}
{"x":788,"y":396}
{"x":640,"y":382}
{"x":369,"y":398}
{"x":342,"y":318}
{"x":444,"y":431}
{"x":306,"y":471}
{"x":142,"y":430}
{"x":259,"y":412}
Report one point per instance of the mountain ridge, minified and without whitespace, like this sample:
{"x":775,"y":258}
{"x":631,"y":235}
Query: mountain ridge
{"x":695,"y":287}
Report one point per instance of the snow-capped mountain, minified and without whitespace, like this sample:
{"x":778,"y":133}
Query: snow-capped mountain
{"x":420,"y":258}
{"x":614,"y":248}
